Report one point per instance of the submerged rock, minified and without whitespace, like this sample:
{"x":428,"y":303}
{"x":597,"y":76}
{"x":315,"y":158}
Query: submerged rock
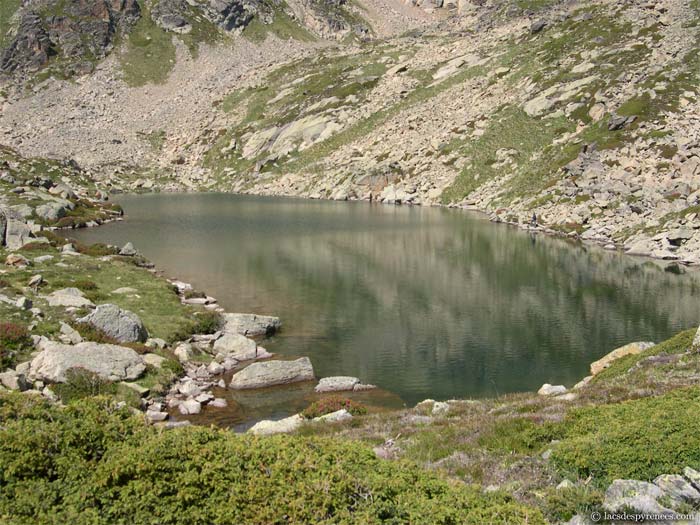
{"x":271,"y":373}
{"x":336,"y":384}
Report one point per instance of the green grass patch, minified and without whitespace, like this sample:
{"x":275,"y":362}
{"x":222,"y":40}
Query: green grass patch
{"x":637,"y":439}
{"x":8,"y":8}
{"x":149,"y":54}
{"x":283,"y":27}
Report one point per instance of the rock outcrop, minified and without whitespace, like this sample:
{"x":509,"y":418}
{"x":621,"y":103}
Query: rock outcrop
{"x":120,"y":325}
{"x":111,"y":362}
{"x":251,"y":324}
{"x":272,"y":373}
{"x":77,"y":31}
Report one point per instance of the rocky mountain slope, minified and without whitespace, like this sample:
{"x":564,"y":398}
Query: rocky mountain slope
{"x":582,"y":113}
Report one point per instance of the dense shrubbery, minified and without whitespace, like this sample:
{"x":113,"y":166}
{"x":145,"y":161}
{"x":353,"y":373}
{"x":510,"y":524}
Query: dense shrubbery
{"x":14,"y":338}
{"x":204,"y":322}
{"x":81,"y":383}
{"x":331,"y":404}
{"x":637,"y":439}
{"x":90,"y":463}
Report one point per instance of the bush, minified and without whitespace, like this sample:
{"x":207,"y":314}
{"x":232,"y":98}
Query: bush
{"x":14,"y":338}
{"x":192,"y":294}
{"x":85,"y":285}
{"x":81,"y":383}
{"x":97,"y":250}
{"x":90,"y":463}
{"x":637,"y":439}
{"x":203,"y":322}
{"x":331,"y":404}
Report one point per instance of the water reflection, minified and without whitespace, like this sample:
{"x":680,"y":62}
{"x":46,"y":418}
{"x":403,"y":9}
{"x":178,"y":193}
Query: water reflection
{"x":423,"y":302}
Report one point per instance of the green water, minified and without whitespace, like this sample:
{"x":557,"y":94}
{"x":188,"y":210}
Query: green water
{"x":424,"y":302}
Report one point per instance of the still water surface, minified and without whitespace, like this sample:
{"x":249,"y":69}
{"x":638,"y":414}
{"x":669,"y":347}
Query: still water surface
{"x":424,"y":302}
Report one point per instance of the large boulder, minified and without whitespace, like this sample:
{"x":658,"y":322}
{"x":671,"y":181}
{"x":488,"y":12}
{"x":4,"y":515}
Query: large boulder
{"x":637,"y":496}
{"x":267,"y":427}
{"x":3,"y":226}
{"x":17,"y":234}
{"x":239,"y":347}
{"x":251,"y":324}
{"x":271,"y":373}
{"x":630,"y":349}
{"x":111,"y":362}
{"x":69,"y":297}
{"x":120,"y":325}
{"x":51,"y":211}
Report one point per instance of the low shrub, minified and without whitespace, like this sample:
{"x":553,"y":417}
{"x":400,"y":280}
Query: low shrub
{"x":14,"y":338}
{"x":192,"y":294}
{"x":330,"y":404}
{"x":81,"y":383}
{"x":97,"y":249}
{"x":638,"y":439}
{"x":90,"y":463}
{"x":520,"y":435}
{"x":562,"y":504}
{"x":202,"y":322}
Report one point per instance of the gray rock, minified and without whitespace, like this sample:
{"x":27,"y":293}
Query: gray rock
{"x":267,"y":427}
{"x":128,"y":250}
{"x":69,"y":334}
{"x":677,"y":488}
{"x":334,"y":417}
{"x":14,"y":380}
{"x":24,"y":303}
{"x":190,"y":407}
{"x":537,"y":26}
{"x":336,"y":384}
{"x":154,"y":415}
{"x":154,"y":360}
{"x":271,"y":373}
{"x":551,"y":390}
{"x":51,"y":211}
{"x":239,"y":347}
{"x":121,"y":325}
{"x":69,"y":297}
{"x":112,"y":362}
{"x":183,"y":352}
{"x":3,"y":226}
{"x":638,"y":496}
{"x":251,"y":324}
{"x":17,"y":234}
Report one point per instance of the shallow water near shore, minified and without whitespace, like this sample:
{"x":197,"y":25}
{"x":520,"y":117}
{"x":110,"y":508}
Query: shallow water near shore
{"x":423,"y":302}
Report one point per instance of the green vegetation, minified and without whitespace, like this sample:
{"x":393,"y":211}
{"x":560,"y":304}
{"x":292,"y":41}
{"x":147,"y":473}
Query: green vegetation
{"x":14,"y":342}
{"x":283,"y":27}
{"x":7,"y":10}
{"x":85,"y":464}
{"x":331,"y":404}
{"x":638,"y":439}
{"x":150,"y":53}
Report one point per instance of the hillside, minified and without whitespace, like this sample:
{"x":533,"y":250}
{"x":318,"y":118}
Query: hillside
{"x":580,"y":112}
